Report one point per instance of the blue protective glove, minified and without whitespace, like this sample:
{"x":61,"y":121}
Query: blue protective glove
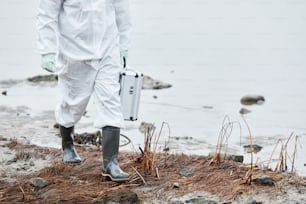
{"x":123,"y":57}
{"x":48,"y":62}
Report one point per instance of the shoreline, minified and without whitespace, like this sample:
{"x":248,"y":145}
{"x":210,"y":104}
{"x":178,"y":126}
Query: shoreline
{"x":182,"y":179}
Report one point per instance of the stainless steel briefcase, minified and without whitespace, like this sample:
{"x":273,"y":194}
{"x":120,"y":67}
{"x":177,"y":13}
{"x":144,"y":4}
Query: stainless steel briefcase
{"x":130,"y":83}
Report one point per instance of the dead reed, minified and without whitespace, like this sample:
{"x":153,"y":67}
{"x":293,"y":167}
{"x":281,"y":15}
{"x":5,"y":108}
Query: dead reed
{"x":148,"y":157}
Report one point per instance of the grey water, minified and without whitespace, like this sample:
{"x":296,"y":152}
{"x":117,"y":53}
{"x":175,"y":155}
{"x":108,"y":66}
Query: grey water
{"x":213,"y":52}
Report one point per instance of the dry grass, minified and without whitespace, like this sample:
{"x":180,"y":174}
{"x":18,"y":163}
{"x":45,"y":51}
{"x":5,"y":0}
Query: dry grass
{"x":148,"y":155}
{"x":83,"y":183}
{"x":222,"y":144}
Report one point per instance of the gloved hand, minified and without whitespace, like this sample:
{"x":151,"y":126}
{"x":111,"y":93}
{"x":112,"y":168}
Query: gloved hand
{"x":48,"y":62}
{"x":123,"y":57}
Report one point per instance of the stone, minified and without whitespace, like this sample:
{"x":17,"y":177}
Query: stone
{"x":187,"y":172}
{"x":263,"y":181}
{"x":236,"y":158}
{"x":253,"y":202}
{"x":150,"y":83}
{"x":120,"y":197}
{"x":32,"y":163}
{"x":38,"y":182}
{"x":244,"y":111}
{"x":177,"y":202}
{"x":176,"y":185}
{"x":255,"y":148}
{"x":93,"y":138}
{"x":201,"y":200}
{"x":252,"y":99}
{"x":14,"y":160}
{"x":228,"y":156}
{"x":4,"y":93}
{"x":43,"y":78}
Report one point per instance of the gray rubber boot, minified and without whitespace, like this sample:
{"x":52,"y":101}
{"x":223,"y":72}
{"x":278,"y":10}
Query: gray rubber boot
{"x":110,"y":148}
{"x":68,"y":151}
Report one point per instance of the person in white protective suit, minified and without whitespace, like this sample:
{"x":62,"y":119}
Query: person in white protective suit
{"x":85,"y":42}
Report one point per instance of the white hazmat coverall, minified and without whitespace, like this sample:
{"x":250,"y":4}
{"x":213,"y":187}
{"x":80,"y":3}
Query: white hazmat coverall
{"x":87,"y":36}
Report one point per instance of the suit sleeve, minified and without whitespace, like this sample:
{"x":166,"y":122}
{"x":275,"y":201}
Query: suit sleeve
{"x":123,"y":21}
{"x":47,"y":25}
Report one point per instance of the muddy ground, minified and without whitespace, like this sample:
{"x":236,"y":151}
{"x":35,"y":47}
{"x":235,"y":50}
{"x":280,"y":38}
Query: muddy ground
{"x":179,"y":179}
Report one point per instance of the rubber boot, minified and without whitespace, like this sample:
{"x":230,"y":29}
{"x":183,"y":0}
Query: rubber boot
{"x":68,"y":150}
{"x":110,"y":148}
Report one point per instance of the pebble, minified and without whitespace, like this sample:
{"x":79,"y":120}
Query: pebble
{"x":201,"y":200}
{"x":176,"y":185}
{"x":32,"y":163}
{"x":263,"y":181}
{"x":187,"y":172}
{"x":255,"y":148}
{"x":252,"y":99}
{"x":253,"y":202}
{"x":120,"y":197}
{"x":38,"y":182}
{"x":43,"y":78}
{"x":244,"y":111}
{"x":11,"y":161}
{"x":150,"y":83}
{"x":236,"y":158}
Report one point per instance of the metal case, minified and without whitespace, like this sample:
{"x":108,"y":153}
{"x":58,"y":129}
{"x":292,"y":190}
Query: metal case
{"x":131,"y":84}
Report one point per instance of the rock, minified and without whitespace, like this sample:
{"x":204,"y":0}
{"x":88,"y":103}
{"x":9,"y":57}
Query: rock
{"x":56,"y":126}
{"x":4,"y":93}
{"x":253,"y":202}
{"x":88,"y":138}
{"x":181,"y":138}
{"x":255,"y":148}
{"x":177,"y":202}
{"x":43,"y":78}
{"x":236,"y":158}
{"x":11,"y":161}
{"x":201,"y":200}
{"x":263,"y":181}
{"x":252,"y":99}
{"x":176,"y":185}
{"x":227,"y":156}
{"x":38,"y":182}
{"x":32,"y":163}
{"x":120,"y":197}
{"x":244,"y":111}
{"x":149,"y":83}
{"x":187,"y":172}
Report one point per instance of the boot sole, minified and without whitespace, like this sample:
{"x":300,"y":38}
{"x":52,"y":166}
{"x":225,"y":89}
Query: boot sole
{"x":115,"y":179}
